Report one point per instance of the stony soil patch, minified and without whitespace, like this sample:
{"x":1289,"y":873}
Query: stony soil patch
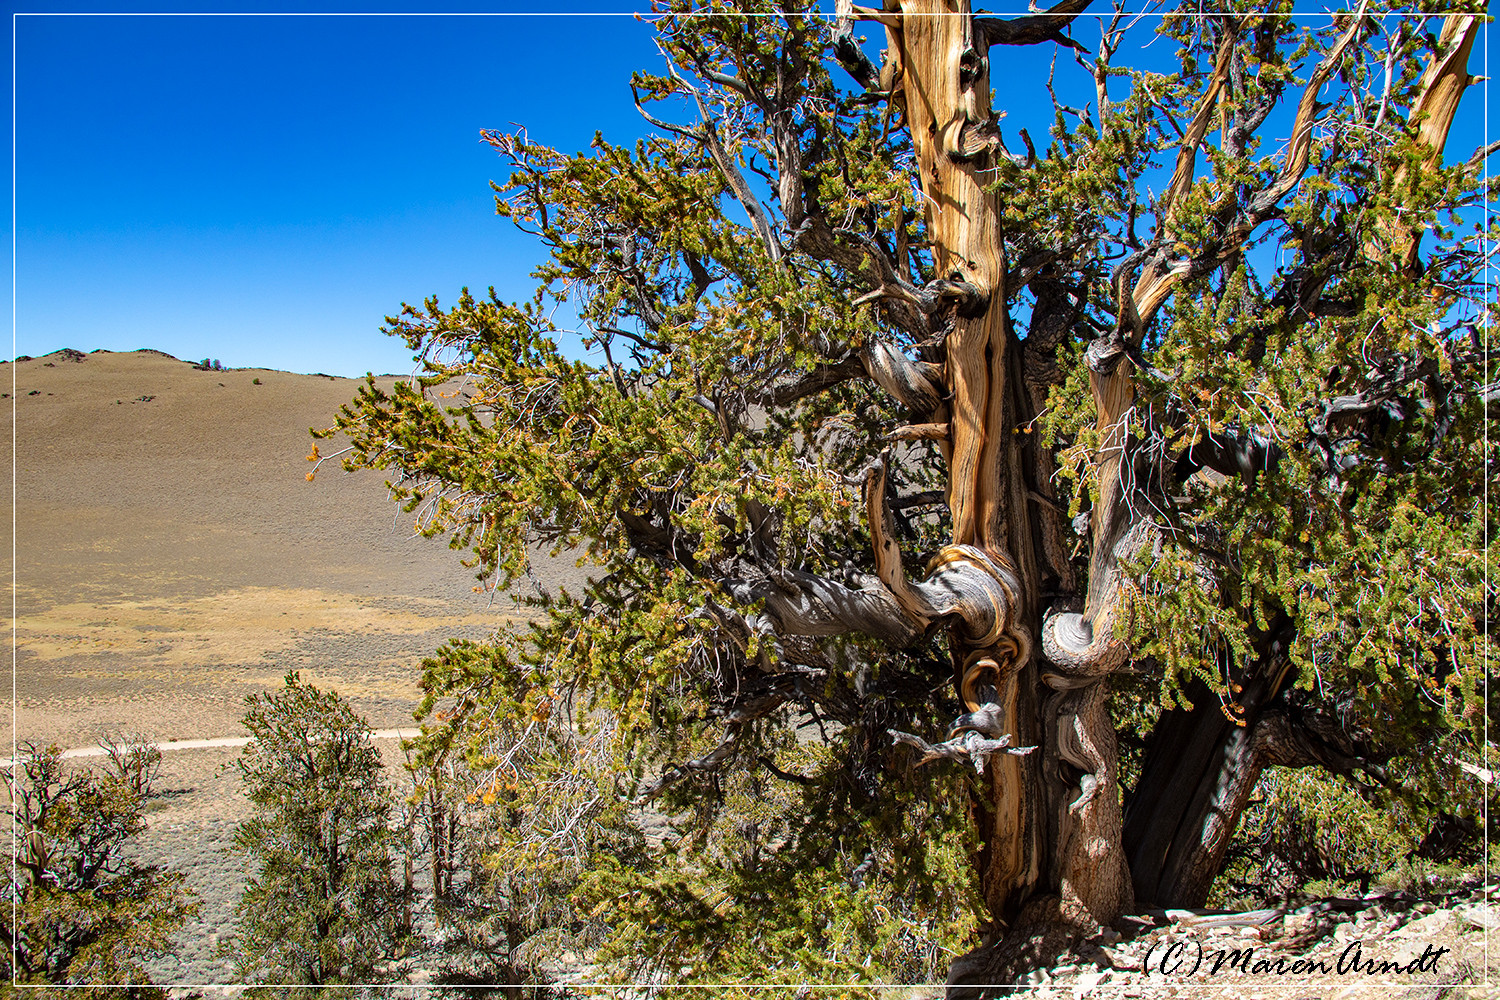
{"x":1389,"y":946}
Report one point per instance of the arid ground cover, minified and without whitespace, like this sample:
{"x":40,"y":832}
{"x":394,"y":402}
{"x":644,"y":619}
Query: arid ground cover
{"x":171,"y":556}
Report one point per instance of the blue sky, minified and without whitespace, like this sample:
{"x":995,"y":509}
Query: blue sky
{"x":265,"y":189}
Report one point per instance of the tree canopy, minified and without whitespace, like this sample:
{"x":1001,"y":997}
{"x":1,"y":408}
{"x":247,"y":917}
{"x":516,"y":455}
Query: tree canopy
{"x":1123,"y":463}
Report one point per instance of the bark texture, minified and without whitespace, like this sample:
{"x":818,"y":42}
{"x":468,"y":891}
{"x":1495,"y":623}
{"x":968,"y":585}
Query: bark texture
{"x":945,"y":86}
{"x":1201,"y":767}
{"x":1050,"y":822}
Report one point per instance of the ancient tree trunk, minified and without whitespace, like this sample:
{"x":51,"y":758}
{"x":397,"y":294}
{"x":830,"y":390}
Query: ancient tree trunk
{"x":1050,"y":821}
{"x":947,"y":89}
{"x":1051,"y":861}
{"x":1200,"y":769}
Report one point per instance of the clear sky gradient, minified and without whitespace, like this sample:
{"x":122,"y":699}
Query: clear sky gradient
{"x":264,"y":190}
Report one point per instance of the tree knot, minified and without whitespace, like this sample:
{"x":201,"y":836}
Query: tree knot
{"x":982,"y":588}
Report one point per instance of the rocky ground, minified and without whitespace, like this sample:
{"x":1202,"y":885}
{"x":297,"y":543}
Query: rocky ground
{"x":1398,"y":945}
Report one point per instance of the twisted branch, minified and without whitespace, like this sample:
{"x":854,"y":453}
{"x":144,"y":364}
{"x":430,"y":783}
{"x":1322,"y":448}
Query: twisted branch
{"x":968,"y":746}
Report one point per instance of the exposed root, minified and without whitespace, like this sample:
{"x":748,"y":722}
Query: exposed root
{"x":1042,"y":931}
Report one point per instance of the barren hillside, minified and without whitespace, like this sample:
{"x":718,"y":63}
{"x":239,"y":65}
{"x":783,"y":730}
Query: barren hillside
{"x":171,"y":555}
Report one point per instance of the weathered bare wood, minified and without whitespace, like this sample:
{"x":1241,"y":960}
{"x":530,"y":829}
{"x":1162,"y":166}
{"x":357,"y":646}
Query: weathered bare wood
{"x":1093,"y":877}
{"x":978,"y":591}
{"x":919,"y":432}
{"x":1197,"y":128}
{"x":968,"y":746}
{"x":801,"y":603}
{"x":946,"y":83}
{"x":917,"y":385}
{"x":890,"y":19}
{"x":983,"y":584}
{"x":1046,"y":26}
{"x":1442,"y":86}
{"x":847,"y":51}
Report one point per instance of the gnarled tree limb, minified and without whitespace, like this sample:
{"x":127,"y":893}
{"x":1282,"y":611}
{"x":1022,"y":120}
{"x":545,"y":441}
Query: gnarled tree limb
{"x":1043,"y":27}
{"x":1084,"y":645}
{"x":801,"y":603}
{"x":967,"y":746}
{"x":975,"y":590}
{"x":1443,"y":84}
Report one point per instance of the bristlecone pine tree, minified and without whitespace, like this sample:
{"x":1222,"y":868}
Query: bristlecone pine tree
{"x":83,"y":913}
{"x":322,"y":904}
{"x":1162,"y":432}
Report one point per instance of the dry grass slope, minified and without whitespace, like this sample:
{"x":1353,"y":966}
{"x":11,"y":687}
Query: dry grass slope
{"x":172,"y":557}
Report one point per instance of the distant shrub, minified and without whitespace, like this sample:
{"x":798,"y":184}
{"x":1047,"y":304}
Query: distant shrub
{"x":84,"y":910}
{"x":255,"y":381}
{"x":135,"y":760}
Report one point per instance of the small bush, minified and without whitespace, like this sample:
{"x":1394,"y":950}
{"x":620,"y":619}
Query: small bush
{"x":134,"y":760}
{"x":84,"y":910}
{"x":322,"y":905}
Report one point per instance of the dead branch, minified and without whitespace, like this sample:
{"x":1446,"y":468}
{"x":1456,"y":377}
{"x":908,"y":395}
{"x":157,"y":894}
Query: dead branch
{"x":969,"y":746}
{"x":1044,"y":27}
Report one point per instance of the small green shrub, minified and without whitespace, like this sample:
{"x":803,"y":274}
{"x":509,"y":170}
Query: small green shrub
{"x":85,"y":910}
{"x":322,"y":905}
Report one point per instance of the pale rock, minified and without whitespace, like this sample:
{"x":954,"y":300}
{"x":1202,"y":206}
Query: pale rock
{"x":1086,"y":982}
{"x":1429,"y":926}
{"x":1479,"y":915}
